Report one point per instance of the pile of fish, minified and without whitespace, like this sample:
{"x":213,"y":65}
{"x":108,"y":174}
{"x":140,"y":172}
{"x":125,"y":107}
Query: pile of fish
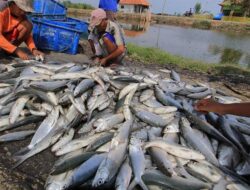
{"x":122,"y":129}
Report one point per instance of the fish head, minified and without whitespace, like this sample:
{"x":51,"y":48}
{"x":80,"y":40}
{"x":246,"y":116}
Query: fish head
{"x":101,"y":177}
{"x":55,"y":186}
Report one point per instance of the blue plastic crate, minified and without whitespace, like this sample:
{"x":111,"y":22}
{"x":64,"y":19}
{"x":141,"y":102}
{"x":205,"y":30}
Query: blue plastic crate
{"x":59,"y":36}
{"x":49,"y":16}
{"x":49,"y":7}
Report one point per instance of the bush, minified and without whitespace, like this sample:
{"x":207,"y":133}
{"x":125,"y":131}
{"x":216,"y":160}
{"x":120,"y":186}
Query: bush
{"x":203,"y":24}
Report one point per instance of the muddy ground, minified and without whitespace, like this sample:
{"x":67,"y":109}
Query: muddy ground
{"x":32,"y":174}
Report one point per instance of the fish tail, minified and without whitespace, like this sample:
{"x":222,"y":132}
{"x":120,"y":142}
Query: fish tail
{"x":132,"y":185}
{"x":22,"y":152}
{"x":142,"y":185}
{"x":89,"y":115}
{"x":20,"y":160}
{"x":235,"y":176}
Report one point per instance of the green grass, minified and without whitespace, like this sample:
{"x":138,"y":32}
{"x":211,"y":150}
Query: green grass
{"x":157,"y":56}
{"x":69,"y":4}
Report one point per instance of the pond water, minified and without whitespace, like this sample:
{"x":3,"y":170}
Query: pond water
{"x":205,"y":45}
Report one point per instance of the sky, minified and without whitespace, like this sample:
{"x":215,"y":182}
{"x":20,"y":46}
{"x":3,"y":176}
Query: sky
{"x":173,"y":6}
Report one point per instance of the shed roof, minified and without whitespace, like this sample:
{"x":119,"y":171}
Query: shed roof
{"x":135,"y":2}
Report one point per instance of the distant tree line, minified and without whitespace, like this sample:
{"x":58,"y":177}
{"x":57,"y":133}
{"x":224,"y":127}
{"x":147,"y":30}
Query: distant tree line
{"x":243,"y":5}
{"x":246,"y":7}
{"x":69,"y":4}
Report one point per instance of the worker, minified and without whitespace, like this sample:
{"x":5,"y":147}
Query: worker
{"x":106,"y":39}
{"x":15,"y":28}
{"x":209,"y":105}
{"x":110,"y":6}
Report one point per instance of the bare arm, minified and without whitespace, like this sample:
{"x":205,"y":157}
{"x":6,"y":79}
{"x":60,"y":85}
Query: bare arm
{"x":120,"y":50}
{"x":208,"y":105}
{"x":92,"y":46}
{"x":240,"y":109}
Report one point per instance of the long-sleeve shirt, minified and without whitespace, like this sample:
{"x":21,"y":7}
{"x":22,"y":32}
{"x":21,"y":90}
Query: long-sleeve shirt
{"x":7,"y":24}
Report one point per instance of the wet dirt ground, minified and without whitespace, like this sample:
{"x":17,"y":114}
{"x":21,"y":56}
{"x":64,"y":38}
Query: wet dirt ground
{"x":32,"y":174}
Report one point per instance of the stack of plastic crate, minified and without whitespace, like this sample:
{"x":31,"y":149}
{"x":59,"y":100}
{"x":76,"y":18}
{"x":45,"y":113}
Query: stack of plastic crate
{"x":53,"y":30}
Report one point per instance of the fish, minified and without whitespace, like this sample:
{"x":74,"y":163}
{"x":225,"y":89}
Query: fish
{"x":86,"y":170}
{"x":40,"y":146}
{"x":197,"y":142}
{"x":83,"y":86}
{"x":104,"y":124}
{"x":99,"y":142}
{"x":176,"y":150}
{"x":150,"y":118}
{"x":46,"y":86}
{"x":176,"y":182}
{"x":16,"y":136}
{"x":228,"y":156}
{"x":138,"y":164}
{"x":110,"y":165}
{"x":77,"y":144}
{"x":63,"y":140}
{"x":17,"y":108}
{"x":175,"y":76}
{"x":160,"y":157}
{"x":121,"y":128}
{"x":70,"y":163}
{"x":166,"y":100}
{"x":123,"y":177}
{"x":45,"y":128}
{"x":204,"y":171}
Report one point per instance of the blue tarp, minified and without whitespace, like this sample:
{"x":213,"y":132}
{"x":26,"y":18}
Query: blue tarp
{"x":108,"y":5}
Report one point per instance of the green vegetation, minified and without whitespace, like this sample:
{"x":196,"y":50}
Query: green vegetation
{"x":197,"y":8}
{"x":202,"y":24}
{"x":157,"y":56}
{"x":69,"y":4}
{"x":236,"y":7}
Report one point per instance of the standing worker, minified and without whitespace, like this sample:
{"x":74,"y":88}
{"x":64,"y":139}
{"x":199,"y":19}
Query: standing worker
{"x":110,"y":6}
{"x":15,"y":28}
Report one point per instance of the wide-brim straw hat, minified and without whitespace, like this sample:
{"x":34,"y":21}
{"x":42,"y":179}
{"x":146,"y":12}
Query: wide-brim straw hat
{"x":25,"y":5}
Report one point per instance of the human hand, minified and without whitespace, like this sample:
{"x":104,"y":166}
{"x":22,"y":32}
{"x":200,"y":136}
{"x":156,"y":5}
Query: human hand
{"x":21,"y":54}
{"x":36,"y":52}
{"x":209,"y":105}
{"x":103,"y":61}
{"x":96,"y":60}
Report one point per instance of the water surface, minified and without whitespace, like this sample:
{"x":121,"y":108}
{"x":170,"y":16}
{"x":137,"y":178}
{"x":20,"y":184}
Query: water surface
{"x":205,"y":45}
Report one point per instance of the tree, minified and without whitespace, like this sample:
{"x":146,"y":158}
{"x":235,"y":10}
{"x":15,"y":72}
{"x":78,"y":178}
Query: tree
{"x":246,"y":7}
{"x":197,"y":8}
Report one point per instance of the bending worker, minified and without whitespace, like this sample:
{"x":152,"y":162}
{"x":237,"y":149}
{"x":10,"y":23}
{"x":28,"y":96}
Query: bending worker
{"x":15,"y":28}
{"x":106,"y":39}
{"x":209,"y":105}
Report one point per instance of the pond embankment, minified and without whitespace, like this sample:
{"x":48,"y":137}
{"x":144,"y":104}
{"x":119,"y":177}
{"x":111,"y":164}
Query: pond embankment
{"x":229,"y":26}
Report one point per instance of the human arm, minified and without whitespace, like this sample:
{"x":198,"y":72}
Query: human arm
{"x":92,"y":46}
{"x":119,"y":51}
{"x":209,"y":105}
{"x":32,"y":47}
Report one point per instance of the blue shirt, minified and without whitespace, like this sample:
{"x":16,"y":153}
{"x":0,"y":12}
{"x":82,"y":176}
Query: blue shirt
{"x":108,"y":5}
